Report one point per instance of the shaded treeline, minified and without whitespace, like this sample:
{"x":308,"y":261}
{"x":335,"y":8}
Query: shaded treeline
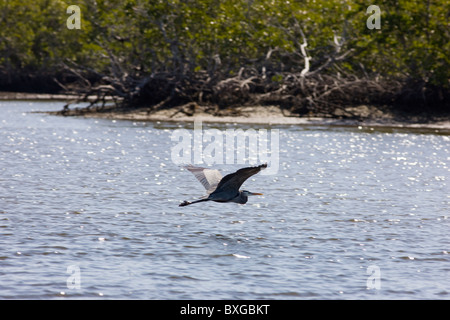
{"x":307,"y":56}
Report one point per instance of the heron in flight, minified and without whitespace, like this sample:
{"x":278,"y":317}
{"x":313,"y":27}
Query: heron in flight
{"x":224,"y":189}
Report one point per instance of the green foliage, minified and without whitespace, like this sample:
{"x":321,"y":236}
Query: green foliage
{"x":137,"y":37}
{"x":414,"y":41}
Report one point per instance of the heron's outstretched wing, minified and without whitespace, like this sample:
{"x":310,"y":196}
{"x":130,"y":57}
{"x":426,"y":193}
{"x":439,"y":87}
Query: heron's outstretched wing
{"x":209,"y":178}
{"x":233,"y":181}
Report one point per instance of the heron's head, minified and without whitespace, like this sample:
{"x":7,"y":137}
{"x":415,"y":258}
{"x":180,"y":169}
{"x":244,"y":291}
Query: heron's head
{"x":248,"y":193}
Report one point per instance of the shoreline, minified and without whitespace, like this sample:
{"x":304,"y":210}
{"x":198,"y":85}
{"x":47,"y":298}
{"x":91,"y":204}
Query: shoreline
{"x":27,"y":96}
{"x":270,"y":115}
{"x":367,"y":116}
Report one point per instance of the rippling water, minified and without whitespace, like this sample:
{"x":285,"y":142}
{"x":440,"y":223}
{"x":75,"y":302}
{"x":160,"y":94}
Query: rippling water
{"x":89,"y":209}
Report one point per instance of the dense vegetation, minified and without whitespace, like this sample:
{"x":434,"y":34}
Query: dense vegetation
{"x":306,"y":55}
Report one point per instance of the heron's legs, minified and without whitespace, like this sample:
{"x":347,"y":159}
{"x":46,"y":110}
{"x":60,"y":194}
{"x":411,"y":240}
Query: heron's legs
{"x":186,"y":203}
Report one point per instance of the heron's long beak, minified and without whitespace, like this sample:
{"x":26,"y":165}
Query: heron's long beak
{"x":255,"y":194}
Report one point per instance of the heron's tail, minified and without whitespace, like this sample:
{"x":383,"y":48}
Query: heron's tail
{"x":186,"y":203}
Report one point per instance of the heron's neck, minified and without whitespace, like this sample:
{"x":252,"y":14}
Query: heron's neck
{"x":243,"y":197}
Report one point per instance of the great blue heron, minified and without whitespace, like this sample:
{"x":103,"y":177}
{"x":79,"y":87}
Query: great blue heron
{"x":224,"y":189}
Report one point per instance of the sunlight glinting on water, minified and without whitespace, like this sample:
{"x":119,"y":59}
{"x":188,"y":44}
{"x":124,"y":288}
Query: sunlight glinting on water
{"x":97,"y":200}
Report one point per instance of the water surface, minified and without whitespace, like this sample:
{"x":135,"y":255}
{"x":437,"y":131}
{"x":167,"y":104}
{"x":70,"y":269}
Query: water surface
{"x":102,"y":196}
